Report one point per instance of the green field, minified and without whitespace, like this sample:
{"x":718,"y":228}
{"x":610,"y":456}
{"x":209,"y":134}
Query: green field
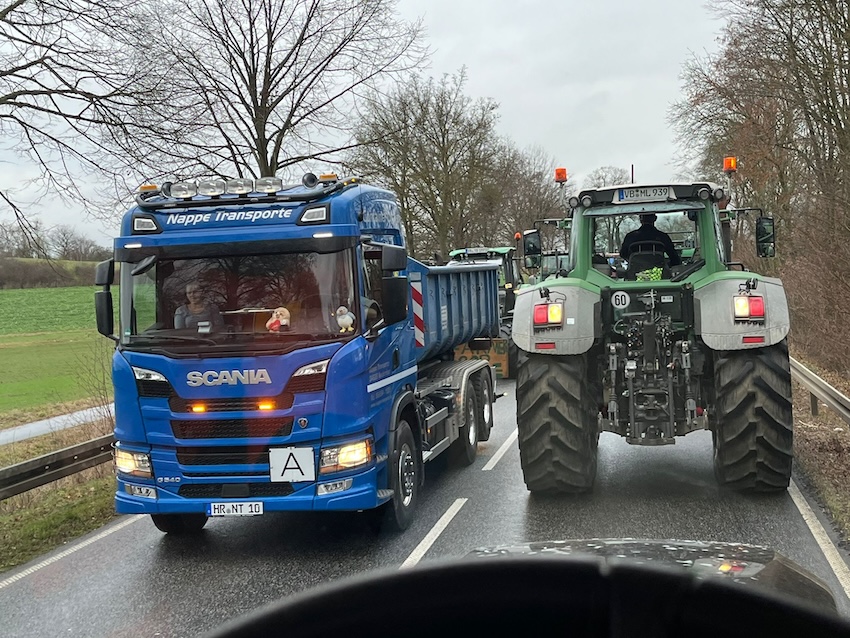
{"x":38,"y":310}
{"x":51,"y":355}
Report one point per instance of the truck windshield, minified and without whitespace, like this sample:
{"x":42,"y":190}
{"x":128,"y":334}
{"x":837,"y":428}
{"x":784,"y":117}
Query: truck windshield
{"x":265,"y":301}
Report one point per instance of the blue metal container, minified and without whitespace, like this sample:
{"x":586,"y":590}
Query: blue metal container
{"x":452,"y":305}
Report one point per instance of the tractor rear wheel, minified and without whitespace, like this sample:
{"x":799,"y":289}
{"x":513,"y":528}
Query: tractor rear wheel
{"x":753,"y":422}
{"x":557,"y":423}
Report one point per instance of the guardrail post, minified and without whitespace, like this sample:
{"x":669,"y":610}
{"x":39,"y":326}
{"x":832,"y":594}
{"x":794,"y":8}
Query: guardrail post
{"x":814,"y":403}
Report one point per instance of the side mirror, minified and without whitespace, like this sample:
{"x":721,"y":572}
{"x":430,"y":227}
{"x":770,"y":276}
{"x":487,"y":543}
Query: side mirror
{"x":393,"y":258}
{"x":103,"y":312}
{"x":765,"y":237}
{"x":104,"y":273}
{"x":395,"y":294}
{"x":531,"y":244}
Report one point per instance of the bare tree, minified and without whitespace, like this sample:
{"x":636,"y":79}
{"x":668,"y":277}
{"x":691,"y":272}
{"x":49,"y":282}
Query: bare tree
{"x":251,"y":87}
{"x":60,"y":78}
{"x":436,"y":147}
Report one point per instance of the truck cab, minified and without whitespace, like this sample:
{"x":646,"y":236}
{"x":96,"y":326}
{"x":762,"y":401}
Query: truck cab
{"x":266,"y":357}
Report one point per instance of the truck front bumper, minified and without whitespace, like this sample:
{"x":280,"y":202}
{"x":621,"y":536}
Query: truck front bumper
{"x":362,"y":494}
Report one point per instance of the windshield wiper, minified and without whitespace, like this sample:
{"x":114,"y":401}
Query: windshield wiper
{"x":161,"y":337}
{"x":689,"y":270}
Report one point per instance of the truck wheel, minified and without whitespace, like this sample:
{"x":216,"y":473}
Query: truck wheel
{"x":557,"y":423}
{"x":404,"y":481}
{"x":754,"y":436}
{"x":484,"y":390}
{"x":465,"y":449}
{"x":179,"y":523}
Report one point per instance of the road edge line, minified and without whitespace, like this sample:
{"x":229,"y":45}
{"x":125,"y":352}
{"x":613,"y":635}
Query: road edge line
{"x":67,"y":552}
{"x":433,"y":534}
{"x":502,"y":451}
{"x":827,"y":547}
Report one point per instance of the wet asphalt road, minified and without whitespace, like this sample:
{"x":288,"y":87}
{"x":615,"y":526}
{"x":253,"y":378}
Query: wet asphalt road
{"x":138,"y":582}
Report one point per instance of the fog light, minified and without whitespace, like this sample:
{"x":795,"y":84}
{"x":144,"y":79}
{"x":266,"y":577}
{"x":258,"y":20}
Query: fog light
{"x":335,"y":486}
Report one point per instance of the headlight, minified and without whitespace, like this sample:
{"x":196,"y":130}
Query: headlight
{"x":148,"y":375}
{"x":133,"y":463}
{"x":345,"y":457}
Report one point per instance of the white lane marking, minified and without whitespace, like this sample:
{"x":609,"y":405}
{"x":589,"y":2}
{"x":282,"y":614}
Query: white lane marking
{"x":830,"y":551}
{"x":31,"y":570}
{"x":431,"y":537}
{"x":388,"y":380}
{"x":507,"y":445}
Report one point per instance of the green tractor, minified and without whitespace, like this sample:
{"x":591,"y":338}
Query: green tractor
{"x":651,"y":351}
{"x":503,"y":352}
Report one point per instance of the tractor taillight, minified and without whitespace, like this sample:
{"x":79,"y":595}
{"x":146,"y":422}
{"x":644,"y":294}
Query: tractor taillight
{"x":749,"y":308}
{"x":548,"y":314}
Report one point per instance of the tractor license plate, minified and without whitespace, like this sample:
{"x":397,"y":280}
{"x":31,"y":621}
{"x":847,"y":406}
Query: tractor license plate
{"x":651,"y":194}
{"x":244,"y":508}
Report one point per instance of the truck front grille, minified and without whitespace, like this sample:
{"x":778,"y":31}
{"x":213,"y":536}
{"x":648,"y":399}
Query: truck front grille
{"x":234,"y":490}
{"x":231,"y":428}
{"x":223,"y":455}
{"x":241,"y":404}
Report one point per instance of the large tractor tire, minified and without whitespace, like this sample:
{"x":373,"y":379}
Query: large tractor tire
{"x":753,"y":422}
{"x":557,"y":423}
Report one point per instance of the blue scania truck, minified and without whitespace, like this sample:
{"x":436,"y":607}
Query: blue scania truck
{"x":278,"y":350}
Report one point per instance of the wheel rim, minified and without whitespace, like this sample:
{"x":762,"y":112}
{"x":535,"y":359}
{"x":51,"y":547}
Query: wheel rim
{"x":406,"y":474}
{"x":487,"y":404}
{"x":471,"y":430}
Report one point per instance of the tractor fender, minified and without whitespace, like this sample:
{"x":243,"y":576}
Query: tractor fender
{"x":580,"y":325}
{"x":714,"y":315}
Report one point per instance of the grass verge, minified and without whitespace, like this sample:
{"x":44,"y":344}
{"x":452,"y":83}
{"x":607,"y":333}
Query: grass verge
{"x":822,"y":453}
{"x":42,"y":519}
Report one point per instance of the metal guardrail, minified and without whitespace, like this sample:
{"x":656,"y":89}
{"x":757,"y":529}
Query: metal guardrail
{"x":820,"y":390}
{"x":25,"y":476}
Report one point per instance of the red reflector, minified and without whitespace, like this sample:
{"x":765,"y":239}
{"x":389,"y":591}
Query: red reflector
{"x":700,"y":411}
{"x":753,"y":339}
{"x":545,"y":345}
{"x":541,"y":314}
{"x":756,"y":306}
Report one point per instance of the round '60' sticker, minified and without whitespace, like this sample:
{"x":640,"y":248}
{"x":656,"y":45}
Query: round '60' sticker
{"x":620,"y":300}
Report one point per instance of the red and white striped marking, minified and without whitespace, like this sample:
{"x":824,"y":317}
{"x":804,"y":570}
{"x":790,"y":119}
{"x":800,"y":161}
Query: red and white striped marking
{"x":418,"y":315}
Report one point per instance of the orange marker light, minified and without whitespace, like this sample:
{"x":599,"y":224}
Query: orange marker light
{"x":730,"y":164}
{"x":266,"y":405}
{"x":517,"y":236}
{"x":199,"y":407}
{"x":560,"y":175}
{"x":146,"y":188}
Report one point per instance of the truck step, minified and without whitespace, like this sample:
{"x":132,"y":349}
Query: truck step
{"x":435,"y":450}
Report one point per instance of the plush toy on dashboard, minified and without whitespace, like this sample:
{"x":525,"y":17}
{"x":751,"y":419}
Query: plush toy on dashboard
{"x":345,"y":319}
{"x":279,"y":320}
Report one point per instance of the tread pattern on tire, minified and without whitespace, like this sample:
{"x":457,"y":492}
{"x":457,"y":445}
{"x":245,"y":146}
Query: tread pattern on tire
{"x":754,"y":438}
{"x":482,"y":379}
{"x":557,"y":425}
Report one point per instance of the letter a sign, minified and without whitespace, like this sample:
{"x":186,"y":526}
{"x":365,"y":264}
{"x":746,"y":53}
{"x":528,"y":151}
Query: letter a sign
{"x":292,"y":464}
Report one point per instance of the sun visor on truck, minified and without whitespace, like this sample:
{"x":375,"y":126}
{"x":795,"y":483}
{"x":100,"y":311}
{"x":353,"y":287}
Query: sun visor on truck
{"x":131,"y":250}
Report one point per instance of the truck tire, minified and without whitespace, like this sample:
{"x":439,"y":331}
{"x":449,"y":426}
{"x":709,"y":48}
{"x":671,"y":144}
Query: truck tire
{"x":178,"y":524}
{"x":398,"y":513}
{"x":465,"y":448}
{"x":753,"y":422}
{"x":484,"y":390}
{"x":557,"y":423}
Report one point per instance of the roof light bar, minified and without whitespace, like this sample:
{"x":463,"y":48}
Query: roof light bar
{"x":184,"y":190}
{"x":211,"y":187}
{"x":239,"y":186}
{"x":269,"y":184}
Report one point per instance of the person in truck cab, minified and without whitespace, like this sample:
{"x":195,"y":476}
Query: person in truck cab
{"x":649,"y":233}
{"x":197,"y":310}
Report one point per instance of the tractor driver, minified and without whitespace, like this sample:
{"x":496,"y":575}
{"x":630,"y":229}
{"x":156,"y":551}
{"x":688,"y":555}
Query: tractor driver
{"x":649,"y":233}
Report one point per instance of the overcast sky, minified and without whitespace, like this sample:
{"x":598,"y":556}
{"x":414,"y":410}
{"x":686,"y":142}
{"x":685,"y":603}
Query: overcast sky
{"x":590,"y":83}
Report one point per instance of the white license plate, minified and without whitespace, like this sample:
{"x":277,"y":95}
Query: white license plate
{"x":652,"y":194}
{"x":292,"y":464}
{"x":245,"y":508}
